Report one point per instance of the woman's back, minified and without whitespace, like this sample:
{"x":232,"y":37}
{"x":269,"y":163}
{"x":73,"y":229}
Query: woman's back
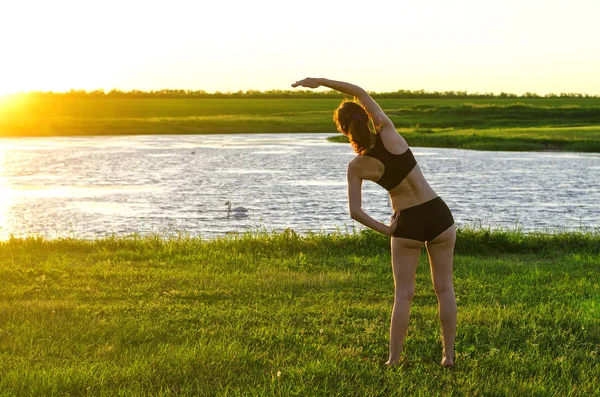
{"x":413,"y":189}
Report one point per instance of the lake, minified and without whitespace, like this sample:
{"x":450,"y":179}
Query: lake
{"x":91,"y":187}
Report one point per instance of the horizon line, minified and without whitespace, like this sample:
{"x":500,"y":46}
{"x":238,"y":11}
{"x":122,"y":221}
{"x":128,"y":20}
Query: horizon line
{"x":102,"y":91}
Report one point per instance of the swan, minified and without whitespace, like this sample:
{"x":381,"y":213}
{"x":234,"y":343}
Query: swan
{"x":239,"y":212}
{"x":236,"y":209}
{"x":237,"y":215}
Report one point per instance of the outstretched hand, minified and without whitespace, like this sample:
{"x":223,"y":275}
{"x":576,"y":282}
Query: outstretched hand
{"x":309,"y":82}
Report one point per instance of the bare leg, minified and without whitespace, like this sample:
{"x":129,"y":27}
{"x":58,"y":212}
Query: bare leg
{"x":405,"y":256}
{"x":441,"y":257}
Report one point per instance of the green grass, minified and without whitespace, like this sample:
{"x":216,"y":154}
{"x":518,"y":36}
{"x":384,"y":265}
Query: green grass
{"x":283,"y":314}
{"x":38,"y":116}
{"x":575,"y":139}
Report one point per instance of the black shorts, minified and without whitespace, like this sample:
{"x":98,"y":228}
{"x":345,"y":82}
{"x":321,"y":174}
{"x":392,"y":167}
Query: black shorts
{"x":424,"y":222}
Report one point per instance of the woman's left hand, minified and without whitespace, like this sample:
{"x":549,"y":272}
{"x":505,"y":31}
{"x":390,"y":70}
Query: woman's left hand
{"x":309,"y":82}
{"x":394,"y":222}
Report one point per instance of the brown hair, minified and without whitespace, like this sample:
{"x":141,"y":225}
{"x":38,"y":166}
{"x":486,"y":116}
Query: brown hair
{"x":352,"y":120}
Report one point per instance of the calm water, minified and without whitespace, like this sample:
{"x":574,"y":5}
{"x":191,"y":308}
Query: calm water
{"x":93,"y":186}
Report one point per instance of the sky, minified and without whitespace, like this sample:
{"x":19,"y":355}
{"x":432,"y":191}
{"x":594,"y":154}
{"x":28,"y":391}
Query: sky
{"x":516,"y":46}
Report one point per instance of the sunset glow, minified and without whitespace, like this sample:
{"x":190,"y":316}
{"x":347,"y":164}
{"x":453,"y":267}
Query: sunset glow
{"x":512,"y":46}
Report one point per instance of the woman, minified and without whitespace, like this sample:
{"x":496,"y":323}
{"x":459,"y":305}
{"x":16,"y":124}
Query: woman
{"x":420,"y":216}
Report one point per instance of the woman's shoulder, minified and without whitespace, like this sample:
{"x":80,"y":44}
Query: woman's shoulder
{"x":356,"y":161}
{"x":392,"y":141}
{"x":382,"y":121}
{"x":365,"y":167}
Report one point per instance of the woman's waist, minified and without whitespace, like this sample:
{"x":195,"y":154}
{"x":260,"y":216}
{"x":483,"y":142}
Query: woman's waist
{"x":411,"y":198}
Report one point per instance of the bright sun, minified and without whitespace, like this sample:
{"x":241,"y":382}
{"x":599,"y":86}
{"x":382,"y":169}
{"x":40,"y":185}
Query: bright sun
{"x":31,"y":74}
{"x":51,"y":50}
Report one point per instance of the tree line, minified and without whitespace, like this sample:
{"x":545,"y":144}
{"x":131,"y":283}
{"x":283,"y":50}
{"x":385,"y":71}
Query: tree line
{"x":282,"y":94}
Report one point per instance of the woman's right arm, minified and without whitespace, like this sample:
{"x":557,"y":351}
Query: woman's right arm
{"x":375,"y":111}
{"x":355,"y":202}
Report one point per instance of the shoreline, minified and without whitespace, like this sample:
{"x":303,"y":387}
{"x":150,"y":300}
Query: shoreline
{"x":483,"y":237}
{"x":532,"y":140}
{"x":542,"y":139}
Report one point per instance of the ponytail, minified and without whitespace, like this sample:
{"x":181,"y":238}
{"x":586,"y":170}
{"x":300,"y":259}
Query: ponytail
{"x":359,"y":134}
{"x":353,"y":121}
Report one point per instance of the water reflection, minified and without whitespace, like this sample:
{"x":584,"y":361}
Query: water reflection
{"x":93,"y":186}
{"x":6,"y":195}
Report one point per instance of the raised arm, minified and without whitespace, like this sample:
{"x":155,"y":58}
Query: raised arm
{"x":374,"y":110}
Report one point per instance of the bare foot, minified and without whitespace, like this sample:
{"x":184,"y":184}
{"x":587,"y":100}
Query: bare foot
{"x":447,"y":359}
{"x":393,"y":363}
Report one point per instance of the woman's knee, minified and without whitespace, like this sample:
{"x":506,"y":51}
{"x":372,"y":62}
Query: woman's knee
{"x":405,"y":293}
{"x":442,"y":288}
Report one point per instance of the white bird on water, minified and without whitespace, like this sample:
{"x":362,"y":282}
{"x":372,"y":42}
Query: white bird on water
{"x":236,"y":209}
{"x":238,"y":212}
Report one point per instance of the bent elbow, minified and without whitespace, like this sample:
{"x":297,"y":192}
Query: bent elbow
{"x":354,"y":214}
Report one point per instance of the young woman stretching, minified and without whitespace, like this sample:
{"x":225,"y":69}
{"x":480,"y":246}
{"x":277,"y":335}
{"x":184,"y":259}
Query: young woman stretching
{"x":420,"y":216}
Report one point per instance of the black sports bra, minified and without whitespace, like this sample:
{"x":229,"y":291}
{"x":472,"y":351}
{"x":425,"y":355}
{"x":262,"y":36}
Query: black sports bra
{"x":397,"y":166}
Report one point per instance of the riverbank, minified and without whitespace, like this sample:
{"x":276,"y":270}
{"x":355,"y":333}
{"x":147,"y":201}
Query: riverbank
{"x":490,"y":124}
{"x":573,"y":139}
{"x":286,"y":314}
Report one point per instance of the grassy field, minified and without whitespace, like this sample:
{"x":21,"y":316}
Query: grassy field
{"x":575,"y":139}
{"x":539,"y":118}
{"x":283,"y":314}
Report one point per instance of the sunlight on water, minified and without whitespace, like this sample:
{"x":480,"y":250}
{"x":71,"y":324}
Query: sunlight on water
{"x":318,"y":183}
{"x":40,"y":192}
{"x":6,"y":196}
{"x":243,"y":171}
{"x":6,"y":200}
{"x":94,"y":186}
{"x":120,"y":209}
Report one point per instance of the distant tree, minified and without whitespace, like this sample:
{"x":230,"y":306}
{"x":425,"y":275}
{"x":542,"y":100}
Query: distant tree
{"x":282,"y":94}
